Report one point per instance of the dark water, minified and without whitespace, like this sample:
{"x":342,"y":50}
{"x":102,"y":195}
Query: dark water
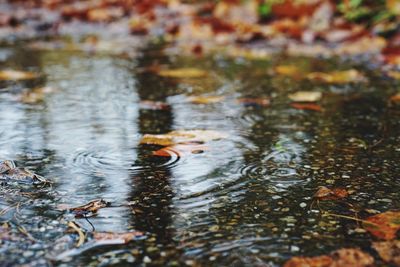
{"x":246,"y":201}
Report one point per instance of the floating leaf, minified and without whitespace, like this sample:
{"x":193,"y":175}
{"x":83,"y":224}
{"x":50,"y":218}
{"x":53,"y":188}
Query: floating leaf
{"x":176,"y":137}
{"x":389,"y":251}
{"x":301,"y":106}
{"x":384,"y":225}
{"x":254,"y":102}
{"x":154,"y":105}
{"x":180,"y":150}
{"x":345,"y":257}
{"x":183,"y":73}
{"x":14,"y":75}
{"x":205,"y":99}
{"x":325,"y":193}
{"x":305,"y":96}
{"x":90,"y":208}
{"x":339,"y":77}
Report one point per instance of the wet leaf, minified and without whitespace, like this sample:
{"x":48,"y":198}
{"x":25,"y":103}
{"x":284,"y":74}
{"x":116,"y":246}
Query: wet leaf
{"x":154,"y":105}
{"x":288,"y":70}
{"x":254,"y":102}
{"x":337,"y":77}
{"x":325,"y":193}
{"x":90,"y":208}
{"x":15,"y":75}
{"x":345,"y":257}
{"x":74,"y":226}
{"x":384,"y":225}
{"x":180,"y":150}
{"x":305,"y":96}
{"x":394,"y":74}
{"x":182,"y":136}
{"x":109,"y":238}
{"x":9,"y":173}
{"x":183,"y":73}
{"x":389,"y":251}
{"x":312,"y":107}
{"x":205,"y":99}
{"x":395,"y":98}
{"x":35,"y":95}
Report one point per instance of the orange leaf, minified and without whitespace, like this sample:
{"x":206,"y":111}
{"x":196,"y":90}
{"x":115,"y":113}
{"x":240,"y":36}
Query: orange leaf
{"x":345,"y":257}
{"x":313,"y":107}
{"x":180,"y":150}
{"x":384,"y":225}
{"x":325,"y":193}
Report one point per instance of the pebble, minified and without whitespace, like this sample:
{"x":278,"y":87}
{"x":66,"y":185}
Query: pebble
{"x":303,"y":205}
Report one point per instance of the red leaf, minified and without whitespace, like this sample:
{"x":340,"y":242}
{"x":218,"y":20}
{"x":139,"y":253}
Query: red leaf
{"x":313,"y":107}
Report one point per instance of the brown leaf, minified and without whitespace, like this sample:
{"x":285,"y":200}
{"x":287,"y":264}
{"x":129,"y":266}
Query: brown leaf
{"x":249,"y":102}
{"x":325,"y":193}
{"x":345,"y":257}
{"x":395,"y":98}
{"x":89,"y":208}
{"x":180,"y":150}
{"x":14,"y":75}
{"x":182,"y":136}
{"x":389,"y":251}
{"x":116,"y":238}
{"x":384,"y":225}
{"x":312,"y":107}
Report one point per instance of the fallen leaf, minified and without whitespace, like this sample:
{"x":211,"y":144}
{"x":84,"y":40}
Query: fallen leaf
{"x":79,"y":231}
{"x":288,"y":70}
{"x":90,"y":208}
{"x":394,"y":74}
{"x":205,"y":99}
{"x":109,"y":238}
{"x":180,"y":150}
{"x":14,"y":75}
{"x":183,"y":73}
{"x":313,"y":107}
{"x":305,"y":96}
{"x":345,"y":257}
{"x":182,"y":136}
{"x":384,"y":225}
{"x":35,"y":95}
{"x":254,"y":102}
{"x":154,"y":105}
{"x":395,"y":98}
{"x":325,"y":193}
{"x":338,"y":77}
{"x":389,"y":251}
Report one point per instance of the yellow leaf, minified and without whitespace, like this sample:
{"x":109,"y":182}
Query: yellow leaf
{"x":305,"y":96}
{"x":183,"y":73}
{"x":14,"y":75}
{"x":345,"y":76}
{"x":205,"y":99}
{"x":287,"y":70}
{"x":181,"y":137}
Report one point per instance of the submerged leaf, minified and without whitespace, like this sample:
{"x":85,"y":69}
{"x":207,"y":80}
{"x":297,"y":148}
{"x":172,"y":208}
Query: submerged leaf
{"x":384,"y":225}
{"x":109,"y":238}
{"x":339,"y":77}
{"x":183,"y":73}
{"x":251,"y":102}
{"x":345,"y":257}
{"x":154,"y":105}
{"x":180,"y":150}
{"x":35,"y":95}
{"x":305,"y":96}
{"x":182,"y":136}
{"x":288,"y":70}
{"x":301,"y":106}
{"x":325,"y":193}
{"x":389,"y":251}
{"x":205,"y":99}
{"x":14,"y":75}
